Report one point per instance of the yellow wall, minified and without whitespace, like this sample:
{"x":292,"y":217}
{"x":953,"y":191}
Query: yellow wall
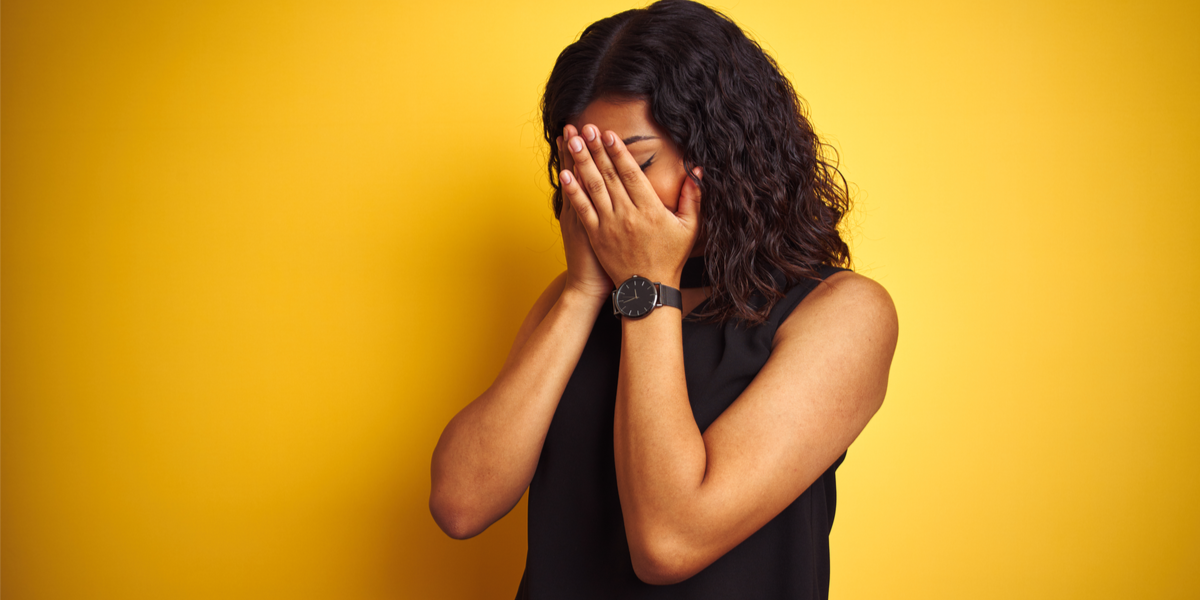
{"x":256,"y":254}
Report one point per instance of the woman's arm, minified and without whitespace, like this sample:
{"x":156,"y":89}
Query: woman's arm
{"x":486,"y":456}
{"x":688,"y":499}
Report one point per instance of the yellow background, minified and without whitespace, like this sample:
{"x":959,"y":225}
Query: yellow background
{"x":256,"y":254}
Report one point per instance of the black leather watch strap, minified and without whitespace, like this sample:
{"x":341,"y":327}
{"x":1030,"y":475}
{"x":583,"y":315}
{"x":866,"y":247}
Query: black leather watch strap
{"x":669,"y":296}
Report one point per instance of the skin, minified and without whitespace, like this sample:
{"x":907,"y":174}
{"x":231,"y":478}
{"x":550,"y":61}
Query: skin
{"x":686,"y":498}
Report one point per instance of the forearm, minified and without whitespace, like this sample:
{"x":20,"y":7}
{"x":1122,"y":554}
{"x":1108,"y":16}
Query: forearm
{"x":487,"y":454}
{"x":660,"y":453}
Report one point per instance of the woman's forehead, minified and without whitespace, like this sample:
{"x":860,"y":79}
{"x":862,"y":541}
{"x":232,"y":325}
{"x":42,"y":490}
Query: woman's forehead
{"x":626,"y":117}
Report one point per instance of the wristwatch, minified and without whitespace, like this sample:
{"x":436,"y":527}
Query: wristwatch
{"x":638,"y":297}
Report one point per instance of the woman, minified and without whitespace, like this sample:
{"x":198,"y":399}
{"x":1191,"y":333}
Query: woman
{"x":677,"y":444}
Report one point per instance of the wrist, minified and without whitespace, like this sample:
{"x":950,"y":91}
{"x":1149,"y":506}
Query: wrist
{"x":575,"y":297}
{"x":671,"y":279}
{"x":638,"y":297}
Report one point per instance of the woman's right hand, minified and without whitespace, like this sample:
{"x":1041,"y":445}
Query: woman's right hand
{"x":584,"y":273}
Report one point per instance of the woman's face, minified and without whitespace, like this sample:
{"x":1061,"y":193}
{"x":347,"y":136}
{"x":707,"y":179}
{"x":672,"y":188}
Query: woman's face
{"x":650,"y":146}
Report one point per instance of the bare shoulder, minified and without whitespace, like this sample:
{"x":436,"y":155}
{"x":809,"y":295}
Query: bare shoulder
{"x":844,"y":303}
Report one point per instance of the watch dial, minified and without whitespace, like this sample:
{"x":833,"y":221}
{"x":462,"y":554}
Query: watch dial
{"x":636,"y":297}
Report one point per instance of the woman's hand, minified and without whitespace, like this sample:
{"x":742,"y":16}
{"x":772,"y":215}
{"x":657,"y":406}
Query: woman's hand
{"x":584,"y":273}
{"x":630,"y":230}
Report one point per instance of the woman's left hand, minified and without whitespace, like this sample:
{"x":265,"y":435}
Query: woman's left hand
{"x":630,"y":229}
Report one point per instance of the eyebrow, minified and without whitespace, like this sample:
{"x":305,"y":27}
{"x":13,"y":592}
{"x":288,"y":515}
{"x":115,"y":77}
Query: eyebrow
{"x":638,"y":138}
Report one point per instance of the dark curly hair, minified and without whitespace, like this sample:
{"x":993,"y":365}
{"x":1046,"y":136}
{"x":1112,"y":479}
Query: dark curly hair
{"x":772,"y":197}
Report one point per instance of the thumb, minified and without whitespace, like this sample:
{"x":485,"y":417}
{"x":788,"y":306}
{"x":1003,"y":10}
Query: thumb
{"x":689,"y":198}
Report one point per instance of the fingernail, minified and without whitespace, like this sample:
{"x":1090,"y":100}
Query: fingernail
{"x":565,"y":177}
{"x":576,"y":145}
{"x":610,"y":139}
{"x":590,"y":133}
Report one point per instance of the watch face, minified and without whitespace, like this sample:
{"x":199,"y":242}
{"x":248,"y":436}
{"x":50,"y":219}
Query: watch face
{"x":636,"y":297}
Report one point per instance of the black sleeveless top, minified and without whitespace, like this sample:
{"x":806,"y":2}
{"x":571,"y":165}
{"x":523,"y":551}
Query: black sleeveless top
{"x":577,"y":545}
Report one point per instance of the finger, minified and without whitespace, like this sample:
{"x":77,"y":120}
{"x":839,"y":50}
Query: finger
{"x":566,"y":162}
{"x":688,"y":210}
{"x":579,"y":201}
{"x":588,"y":177}
{"x":566,"y":212}
{"x":564,"y":158}
{"x":633,"y":180}
{"x":612,"y":180}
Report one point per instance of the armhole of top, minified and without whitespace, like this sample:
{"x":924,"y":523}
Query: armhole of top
{"x":796,"y":295}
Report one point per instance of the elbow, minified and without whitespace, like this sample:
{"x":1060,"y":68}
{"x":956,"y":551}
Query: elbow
{"x":663,"y":560}
{"x":454,"y":507}
{"x":455,"y":520}
{"x":658,"y":573}
{"x":457,"y":528}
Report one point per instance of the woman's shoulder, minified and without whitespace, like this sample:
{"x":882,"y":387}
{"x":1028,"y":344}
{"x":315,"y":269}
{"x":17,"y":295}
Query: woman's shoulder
{"x":845,"y":303}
